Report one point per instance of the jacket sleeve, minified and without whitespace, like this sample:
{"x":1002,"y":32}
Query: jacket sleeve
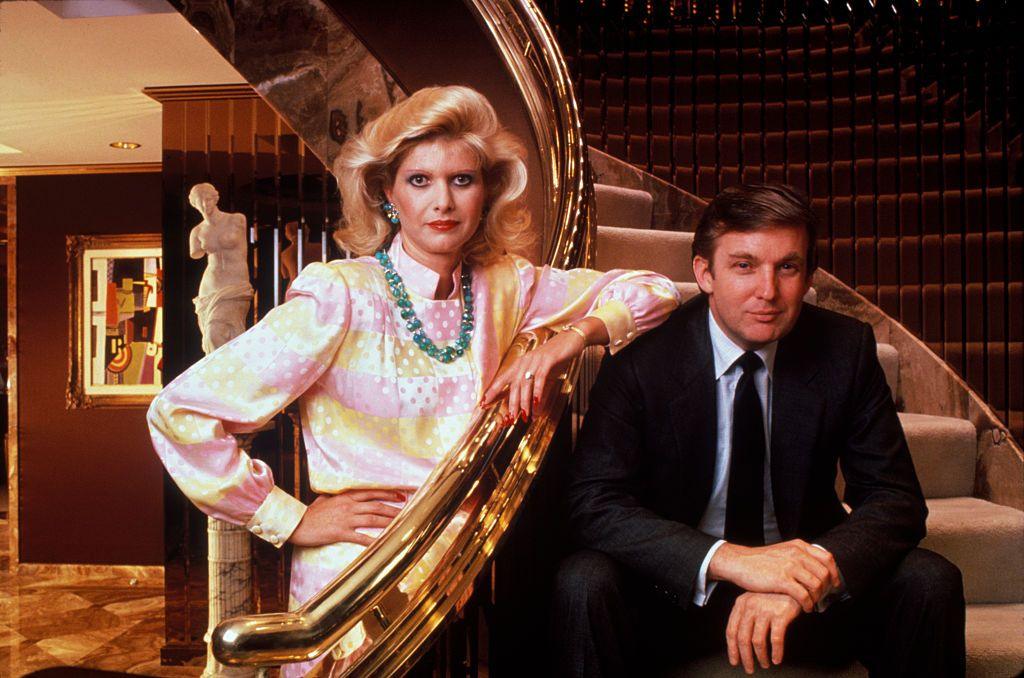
{"x":627,"y":302}
{"x":237,"y":389}
{"x":605,"y":483}
{"x":889,"y":511}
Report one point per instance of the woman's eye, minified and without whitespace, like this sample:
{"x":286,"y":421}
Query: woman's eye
{"x":463,"y":179}
{"x":418,"y":180}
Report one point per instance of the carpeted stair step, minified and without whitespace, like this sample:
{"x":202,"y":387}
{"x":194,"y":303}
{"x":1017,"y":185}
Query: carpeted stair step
{"x":687,"y":290}
{"x":995,"y":641}
{"x":944,"y":451}
{"x":890,"y":359}
{"x":985,"y":541}
{"x":665,"y":252}
{"x":623,"y":207}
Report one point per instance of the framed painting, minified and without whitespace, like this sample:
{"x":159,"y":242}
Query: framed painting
{"x":115,"y":345}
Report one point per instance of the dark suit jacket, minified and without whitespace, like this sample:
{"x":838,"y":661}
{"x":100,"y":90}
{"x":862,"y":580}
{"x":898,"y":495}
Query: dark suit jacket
{"x":642,"y":473}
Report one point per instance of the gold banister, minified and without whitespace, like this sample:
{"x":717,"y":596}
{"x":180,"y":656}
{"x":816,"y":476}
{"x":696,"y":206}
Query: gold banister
{"x":454,"y":524}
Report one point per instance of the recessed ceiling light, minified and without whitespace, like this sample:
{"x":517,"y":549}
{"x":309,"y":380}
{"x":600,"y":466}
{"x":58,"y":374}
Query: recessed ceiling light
{"x":125,"y":145}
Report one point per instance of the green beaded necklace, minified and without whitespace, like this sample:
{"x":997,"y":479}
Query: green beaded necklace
{"x":449,"y":353}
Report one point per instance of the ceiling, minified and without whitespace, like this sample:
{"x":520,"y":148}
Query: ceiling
{"x":72,"y":74}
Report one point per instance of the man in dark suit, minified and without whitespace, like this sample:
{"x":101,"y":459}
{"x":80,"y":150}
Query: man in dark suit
{"x":703,"y":486}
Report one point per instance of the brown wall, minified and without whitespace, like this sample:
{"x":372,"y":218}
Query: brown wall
{"x":90,"y":484}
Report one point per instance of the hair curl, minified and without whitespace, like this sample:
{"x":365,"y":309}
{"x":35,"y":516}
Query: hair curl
{"x":368,"y":162}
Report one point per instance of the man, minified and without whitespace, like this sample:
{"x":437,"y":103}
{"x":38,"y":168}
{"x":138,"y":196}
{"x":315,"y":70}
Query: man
{"x":703,"y":487}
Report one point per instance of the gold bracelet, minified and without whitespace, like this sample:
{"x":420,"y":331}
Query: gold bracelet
{"x":572,"y":328}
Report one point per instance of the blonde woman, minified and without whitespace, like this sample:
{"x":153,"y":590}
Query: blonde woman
{"x":390,"y":354}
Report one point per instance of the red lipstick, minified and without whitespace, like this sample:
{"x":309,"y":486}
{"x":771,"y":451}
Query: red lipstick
{"x":443,"y":224}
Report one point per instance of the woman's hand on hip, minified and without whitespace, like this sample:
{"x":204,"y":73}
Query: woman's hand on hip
{"x":333,"y":518}
{"x":529,"y":376}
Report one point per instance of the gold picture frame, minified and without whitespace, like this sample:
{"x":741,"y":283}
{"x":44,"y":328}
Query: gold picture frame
{"x":115,"y":320}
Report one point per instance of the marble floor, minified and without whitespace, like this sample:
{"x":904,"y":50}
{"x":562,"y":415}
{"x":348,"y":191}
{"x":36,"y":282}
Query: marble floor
{"x":95,"y":621}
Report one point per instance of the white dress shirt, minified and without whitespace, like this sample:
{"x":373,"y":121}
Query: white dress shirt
{"x":727,"y":377}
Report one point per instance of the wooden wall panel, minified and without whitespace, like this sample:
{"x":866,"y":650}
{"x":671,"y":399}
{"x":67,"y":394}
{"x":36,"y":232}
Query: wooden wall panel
{"x":88,"y":480}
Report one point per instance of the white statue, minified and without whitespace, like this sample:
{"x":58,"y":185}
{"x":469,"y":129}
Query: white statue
{"x":224,"y":293}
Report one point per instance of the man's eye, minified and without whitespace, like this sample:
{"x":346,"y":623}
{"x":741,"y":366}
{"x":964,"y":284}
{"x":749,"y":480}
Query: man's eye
{"x":790,"y":268}
{"x":743,"y":265}
{"x":462,"y":179}
{"x":418,"y":180}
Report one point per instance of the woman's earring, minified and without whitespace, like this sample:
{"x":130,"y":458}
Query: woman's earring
{"x":390,"y":212}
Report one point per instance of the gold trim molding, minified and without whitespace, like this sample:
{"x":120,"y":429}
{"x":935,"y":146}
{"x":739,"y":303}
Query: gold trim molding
{"x":205,"y":92}
{"x":101,"y":168}
{"x":9,"y":185}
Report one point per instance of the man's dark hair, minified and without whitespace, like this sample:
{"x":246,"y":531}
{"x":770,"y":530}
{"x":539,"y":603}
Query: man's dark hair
{"x":751,"y":207}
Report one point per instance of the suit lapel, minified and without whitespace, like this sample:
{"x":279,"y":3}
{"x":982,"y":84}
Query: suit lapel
{"x":796,"y":415}
{"x":693,"y":412}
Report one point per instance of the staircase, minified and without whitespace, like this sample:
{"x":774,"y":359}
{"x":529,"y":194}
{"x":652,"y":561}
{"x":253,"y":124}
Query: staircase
{"x":984,"y":539}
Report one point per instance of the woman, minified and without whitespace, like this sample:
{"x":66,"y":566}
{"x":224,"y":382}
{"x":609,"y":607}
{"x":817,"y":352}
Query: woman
{"x":390,"y":354}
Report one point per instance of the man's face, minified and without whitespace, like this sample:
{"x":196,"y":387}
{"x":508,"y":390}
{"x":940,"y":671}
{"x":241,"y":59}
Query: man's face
{"x":756,"y":282}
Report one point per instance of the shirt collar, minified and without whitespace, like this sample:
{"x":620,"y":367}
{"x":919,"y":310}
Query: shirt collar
{"x":419,"y":278}
{"x":727,"y":352}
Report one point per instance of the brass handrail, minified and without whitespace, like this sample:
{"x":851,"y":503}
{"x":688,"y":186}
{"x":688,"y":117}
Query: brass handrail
{"x":470,"y":499}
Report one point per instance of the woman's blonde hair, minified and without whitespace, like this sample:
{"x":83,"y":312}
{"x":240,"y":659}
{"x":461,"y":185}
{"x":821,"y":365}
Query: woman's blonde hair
{"x":369,"y":161}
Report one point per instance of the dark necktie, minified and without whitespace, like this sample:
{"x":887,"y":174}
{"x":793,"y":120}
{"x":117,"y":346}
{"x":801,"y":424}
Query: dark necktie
{"x":744,"y":509}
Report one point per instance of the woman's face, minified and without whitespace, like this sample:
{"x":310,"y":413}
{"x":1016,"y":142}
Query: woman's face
{"x":439,"y":193}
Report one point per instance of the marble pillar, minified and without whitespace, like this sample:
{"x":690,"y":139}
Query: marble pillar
{"x":230,"y":573}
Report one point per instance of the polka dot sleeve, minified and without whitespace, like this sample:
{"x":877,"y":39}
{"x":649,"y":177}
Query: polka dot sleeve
{"x":237,"y":389}
{"x":627,"y":302}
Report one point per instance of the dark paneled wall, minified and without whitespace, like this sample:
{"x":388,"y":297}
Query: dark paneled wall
{"x":900,"y":120}
{"x":263,"y":170}
{"x":89,"y":482}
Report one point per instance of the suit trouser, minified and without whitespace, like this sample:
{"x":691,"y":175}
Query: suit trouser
{"x":607,"y":623}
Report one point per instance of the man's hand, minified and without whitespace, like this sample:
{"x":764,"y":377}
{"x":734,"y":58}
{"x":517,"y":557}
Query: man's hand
{"x":795,"y":568}
{"x":757,"y":621}
{"x":334,"y":518}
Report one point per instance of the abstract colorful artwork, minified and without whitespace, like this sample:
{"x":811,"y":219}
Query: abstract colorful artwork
{"x":116,"y":354}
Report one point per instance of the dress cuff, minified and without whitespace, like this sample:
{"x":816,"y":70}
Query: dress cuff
{"x":702,"y":590}
{"x":277,"y":517}
{"x":617,"y":317}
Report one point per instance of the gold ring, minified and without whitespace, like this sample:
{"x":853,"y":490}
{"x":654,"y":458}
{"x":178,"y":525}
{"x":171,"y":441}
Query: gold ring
{"x":528,"y":376}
